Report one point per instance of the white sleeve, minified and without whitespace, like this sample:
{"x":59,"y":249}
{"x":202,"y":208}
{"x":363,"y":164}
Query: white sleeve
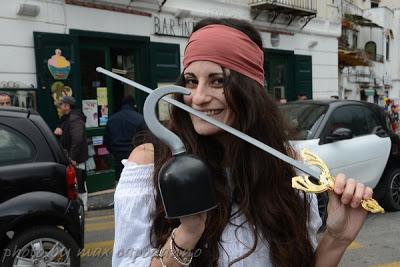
{"x":133,"y":204}
{"x":315,"y":221}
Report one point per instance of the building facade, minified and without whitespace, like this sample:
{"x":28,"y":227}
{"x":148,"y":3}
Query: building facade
{"x":368,"y":49}
{"x":51,"y":48}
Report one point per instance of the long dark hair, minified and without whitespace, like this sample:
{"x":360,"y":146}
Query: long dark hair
{"x":260,"y":183}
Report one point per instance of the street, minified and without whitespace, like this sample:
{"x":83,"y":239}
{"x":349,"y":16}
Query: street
{"x":377,"y":245}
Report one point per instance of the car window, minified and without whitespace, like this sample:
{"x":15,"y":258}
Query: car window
{"x":14,"y":147}
{"x":371,"y":119}
{"x":360,"y":120}
{"x":304,"y":117}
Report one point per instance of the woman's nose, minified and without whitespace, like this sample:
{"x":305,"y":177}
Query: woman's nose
{"x":201,"y":94}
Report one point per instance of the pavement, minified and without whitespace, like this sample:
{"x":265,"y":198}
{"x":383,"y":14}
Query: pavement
{"x":101,"y":200}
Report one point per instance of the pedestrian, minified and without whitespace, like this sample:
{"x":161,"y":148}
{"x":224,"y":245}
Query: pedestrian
{"x":73,"y":139}
{"x":121,"y":129}
{"x":301,"y":97}
{"x":260,"y":220}
{"x":394,"y":118}
{"x":5,"y":99}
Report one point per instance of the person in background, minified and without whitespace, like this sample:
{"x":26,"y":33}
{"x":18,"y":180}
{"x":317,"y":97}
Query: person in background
{"x":301,"y":97}
{"x":394,"y":117}
{"x":121,"y":129}
{"x":72,"y":134}
{"x":260,"y":219}
{"x":5,"y":99}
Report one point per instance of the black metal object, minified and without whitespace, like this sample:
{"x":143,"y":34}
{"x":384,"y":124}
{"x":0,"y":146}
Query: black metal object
{"x":185,"y":180}
{"x":186,"y":187}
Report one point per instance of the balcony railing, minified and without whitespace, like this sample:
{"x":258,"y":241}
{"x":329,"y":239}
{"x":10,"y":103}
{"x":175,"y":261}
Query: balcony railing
{"x":305,"y":5}
{"x":350,"y":8}
{"x":376,"y":57}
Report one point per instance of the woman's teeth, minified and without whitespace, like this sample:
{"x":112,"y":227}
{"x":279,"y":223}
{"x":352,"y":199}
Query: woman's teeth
{"x":212,"y":112}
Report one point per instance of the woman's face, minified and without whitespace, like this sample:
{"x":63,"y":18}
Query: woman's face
{"x":205,"y":80}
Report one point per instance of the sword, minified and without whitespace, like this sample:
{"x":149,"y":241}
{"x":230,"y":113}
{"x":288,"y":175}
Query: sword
{"x":303,"y":183}
{"x":299,"y":165}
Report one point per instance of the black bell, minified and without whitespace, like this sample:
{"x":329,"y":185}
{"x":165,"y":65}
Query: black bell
{"x":186,"y":186}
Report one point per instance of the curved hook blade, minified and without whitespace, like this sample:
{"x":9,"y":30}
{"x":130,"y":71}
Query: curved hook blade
{"x":149,"y":112}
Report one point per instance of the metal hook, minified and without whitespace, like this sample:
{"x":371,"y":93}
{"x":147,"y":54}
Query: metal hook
{"x":149,"y":111}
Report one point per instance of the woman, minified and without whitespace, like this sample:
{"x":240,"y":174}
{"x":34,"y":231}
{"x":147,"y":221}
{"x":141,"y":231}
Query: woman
{"x":260,"y":219}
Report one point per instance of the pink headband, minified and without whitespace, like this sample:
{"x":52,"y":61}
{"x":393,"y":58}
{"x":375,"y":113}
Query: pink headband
{"x":227,"y":47}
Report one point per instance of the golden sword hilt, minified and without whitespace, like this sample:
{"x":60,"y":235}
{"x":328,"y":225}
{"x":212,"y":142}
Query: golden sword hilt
{"x":326,"y":181}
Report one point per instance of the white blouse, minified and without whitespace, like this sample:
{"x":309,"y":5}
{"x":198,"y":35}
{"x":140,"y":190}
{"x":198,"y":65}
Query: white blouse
{"x":133,"y":203}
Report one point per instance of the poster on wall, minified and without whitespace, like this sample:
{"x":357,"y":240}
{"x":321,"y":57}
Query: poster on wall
{"x":58,"y":65}
{"x":102,"y":102}
{"x":89,"y":108}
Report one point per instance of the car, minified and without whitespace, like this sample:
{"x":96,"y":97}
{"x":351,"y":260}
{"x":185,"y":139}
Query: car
{"x":41,"y":216}
{"x":351,"y":137}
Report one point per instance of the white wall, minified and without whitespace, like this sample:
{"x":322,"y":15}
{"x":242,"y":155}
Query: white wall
{"x":393,"y":4}
{"x":16,"y":43}
{"x":17,"y":51}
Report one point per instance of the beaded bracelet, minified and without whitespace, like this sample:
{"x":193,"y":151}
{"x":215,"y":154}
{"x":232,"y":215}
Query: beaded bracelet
{"x":177,"y":252}
{"x":160,"y":255}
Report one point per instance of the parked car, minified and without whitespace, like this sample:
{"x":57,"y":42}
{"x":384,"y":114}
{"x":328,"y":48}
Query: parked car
{"x":351,"y":137}
{"x":41,"y":217}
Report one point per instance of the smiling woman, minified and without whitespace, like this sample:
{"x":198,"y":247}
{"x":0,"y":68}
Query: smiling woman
{"x":205,"y":80}
{"x":260,"y":220}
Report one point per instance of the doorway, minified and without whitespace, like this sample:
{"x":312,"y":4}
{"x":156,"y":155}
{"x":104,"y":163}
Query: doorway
{"x":122,"y":63}
{"x":278,"y":76}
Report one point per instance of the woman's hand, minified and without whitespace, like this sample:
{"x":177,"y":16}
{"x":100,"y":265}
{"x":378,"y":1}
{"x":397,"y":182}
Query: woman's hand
{"x":345,"y":213}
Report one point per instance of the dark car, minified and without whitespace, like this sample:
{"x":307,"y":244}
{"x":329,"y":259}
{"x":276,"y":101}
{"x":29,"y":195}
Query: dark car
{"x":41,"y":217}
{"x":352,"y":137}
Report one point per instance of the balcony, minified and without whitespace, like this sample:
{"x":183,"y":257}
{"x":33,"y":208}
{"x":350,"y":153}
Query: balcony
{"x":376,"y":57}
{"x":350,"y":8}
{"x":290,"y":8}
{"x":353,"y":58}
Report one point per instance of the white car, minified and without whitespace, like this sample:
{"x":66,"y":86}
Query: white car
{"x":351,"y":137}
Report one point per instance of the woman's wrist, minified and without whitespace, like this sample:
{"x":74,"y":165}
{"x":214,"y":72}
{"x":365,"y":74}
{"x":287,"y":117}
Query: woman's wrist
{"x":335,"y":240}
{"x":187,"y":239}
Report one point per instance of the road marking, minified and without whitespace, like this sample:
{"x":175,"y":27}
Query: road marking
{"x":97,"y":249}
{"x":100,"y":218}
{"x":393,"y":264}
{"x":92,"y":227}
{"x":354,"y":245}
{"x":102,"y":244}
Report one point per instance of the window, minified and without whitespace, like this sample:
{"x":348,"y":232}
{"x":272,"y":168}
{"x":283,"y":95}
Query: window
{"x":374,"y":4}
{"x":360,"y":120}
{"x":355,"y":41}
{"x":14,"y":147}
{"x":370,"y":49}
{"x":387,"y":48}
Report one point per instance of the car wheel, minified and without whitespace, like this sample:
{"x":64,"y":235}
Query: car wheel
{"x":323,"y":199}
{"x":391,"y":189}
{"x":42,"y":246}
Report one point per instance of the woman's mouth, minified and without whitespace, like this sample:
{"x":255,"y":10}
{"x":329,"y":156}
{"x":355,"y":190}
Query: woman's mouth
{"x":212,"y":112}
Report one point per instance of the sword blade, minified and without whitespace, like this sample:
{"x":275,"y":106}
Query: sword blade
{"x":297,"y":164}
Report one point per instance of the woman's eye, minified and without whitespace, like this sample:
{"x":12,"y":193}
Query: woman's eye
{"x":218,"y":82}
{"x":190,"y":83}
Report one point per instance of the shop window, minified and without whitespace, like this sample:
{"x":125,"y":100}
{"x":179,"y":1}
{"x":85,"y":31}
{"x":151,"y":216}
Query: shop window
{"x":24,"y":98}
